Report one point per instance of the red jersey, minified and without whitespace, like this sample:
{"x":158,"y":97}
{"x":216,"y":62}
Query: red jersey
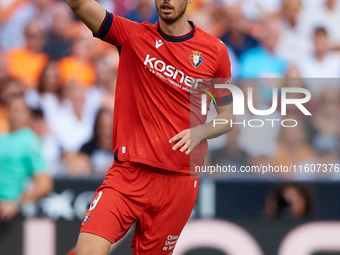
{"x":157,"y":93}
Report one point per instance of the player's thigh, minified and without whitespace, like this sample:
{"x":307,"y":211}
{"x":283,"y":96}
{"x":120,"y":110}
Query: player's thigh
{"x":90,"y":244}
{"x":110,"y":215}
{"x":157,"y":231}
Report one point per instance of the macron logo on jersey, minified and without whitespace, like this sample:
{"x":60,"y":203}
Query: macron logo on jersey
{"x":159,"y":43}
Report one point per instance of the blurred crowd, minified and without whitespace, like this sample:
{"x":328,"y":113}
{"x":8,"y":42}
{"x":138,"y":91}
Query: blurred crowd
{"x":67,"y":78}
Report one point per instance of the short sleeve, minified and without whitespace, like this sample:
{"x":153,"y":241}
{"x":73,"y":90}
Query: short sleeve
{"x":116,"y":30}
{"x":223,"y":76}
{"x":37,"y":161}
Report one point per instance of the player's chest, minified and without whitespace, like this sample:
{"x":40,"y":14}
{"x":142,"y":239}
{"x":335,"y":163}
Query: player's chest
{"x":173,"y":59}
{"x":178,"y":67}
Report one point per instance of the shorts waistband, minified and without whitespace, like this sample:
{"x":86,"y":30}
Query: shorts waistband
{"x":157,"y":170}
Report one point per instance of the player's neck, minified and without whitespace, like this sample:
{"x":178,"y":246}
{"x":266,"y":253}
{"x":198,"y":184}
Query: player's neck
{"x":178,"y":28}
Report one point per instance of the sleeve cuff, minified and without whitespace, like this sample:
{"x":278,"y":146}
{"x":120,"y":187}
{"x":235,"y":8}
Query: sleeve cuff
{"x":225,"y":100}
{"x":105,"y":27}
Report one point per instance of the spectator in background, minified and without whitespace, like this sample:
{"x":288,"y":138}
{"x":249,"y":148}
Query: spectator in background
{"x":4,"y":125}
{"x":144,"y":11}
{"x":3,"y":68}
{"x":289,"y":202}
{"x":321,"y":64}
{"x":293,"y":79}
{"x":73,"y":121}
{"x":9,"y":88}
{"x":261,"y":61}
{"x":26,"y":63}
{"x":12,"y":32}
{"x":99,"y":149}
{"x":293,"y":146}
{"x":8,"y":7}
{"x":326,"y":118}
{"x":20,"y":159}
{"x":256,"y":9}
{"x":259,"y":143}
{"x":327,"y":149}
{"x":231,"y":154}
{"x":58,"y":43}
{"x":208,"y":15}
{"x":294,"y":41}
{"x":78,"y":67}
{"x":50,"y":145}
{"x":105,"y":89}
{"x":326,"y":15}
{"x":47,"y":96}
{"x":236,"y":38}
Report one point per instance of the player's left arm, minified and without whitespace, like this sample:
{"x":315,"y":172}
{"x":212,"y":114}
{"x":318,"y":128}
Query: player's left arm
{"x":188,"y":139}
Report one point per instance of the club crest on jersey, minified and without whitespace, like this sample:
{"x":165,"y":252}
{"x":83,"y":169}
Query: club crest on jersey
{"x":86,"y":218}
{"x":196,"y":59}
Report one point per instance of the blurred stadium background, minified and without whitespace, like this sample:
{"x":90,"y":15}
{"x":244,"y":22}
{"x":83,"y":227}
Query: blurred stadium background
{"x":67,"y":79}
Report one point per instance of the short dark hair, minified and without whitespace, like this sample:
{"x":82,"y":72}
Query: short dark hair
{"x":320,"y":30}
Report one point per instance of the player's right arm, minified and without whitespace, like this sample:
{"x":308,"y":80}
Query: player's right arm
{"x":104,"y":25}
{"x":90,"y":12}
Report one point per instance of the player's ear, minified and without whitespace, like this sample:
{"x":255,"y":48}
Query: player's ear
{"x":189,"y":1}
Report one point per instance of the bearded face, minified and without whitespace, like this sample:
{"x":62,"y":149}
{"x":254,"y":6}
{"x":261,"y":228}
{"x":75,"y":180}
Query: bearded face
{"x":171,"y":11}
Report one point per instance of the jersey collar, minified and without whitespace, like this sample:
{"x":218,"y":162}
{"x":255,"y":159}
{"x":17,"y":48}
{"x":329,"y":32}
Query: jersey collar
{"x":178,"y":38}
